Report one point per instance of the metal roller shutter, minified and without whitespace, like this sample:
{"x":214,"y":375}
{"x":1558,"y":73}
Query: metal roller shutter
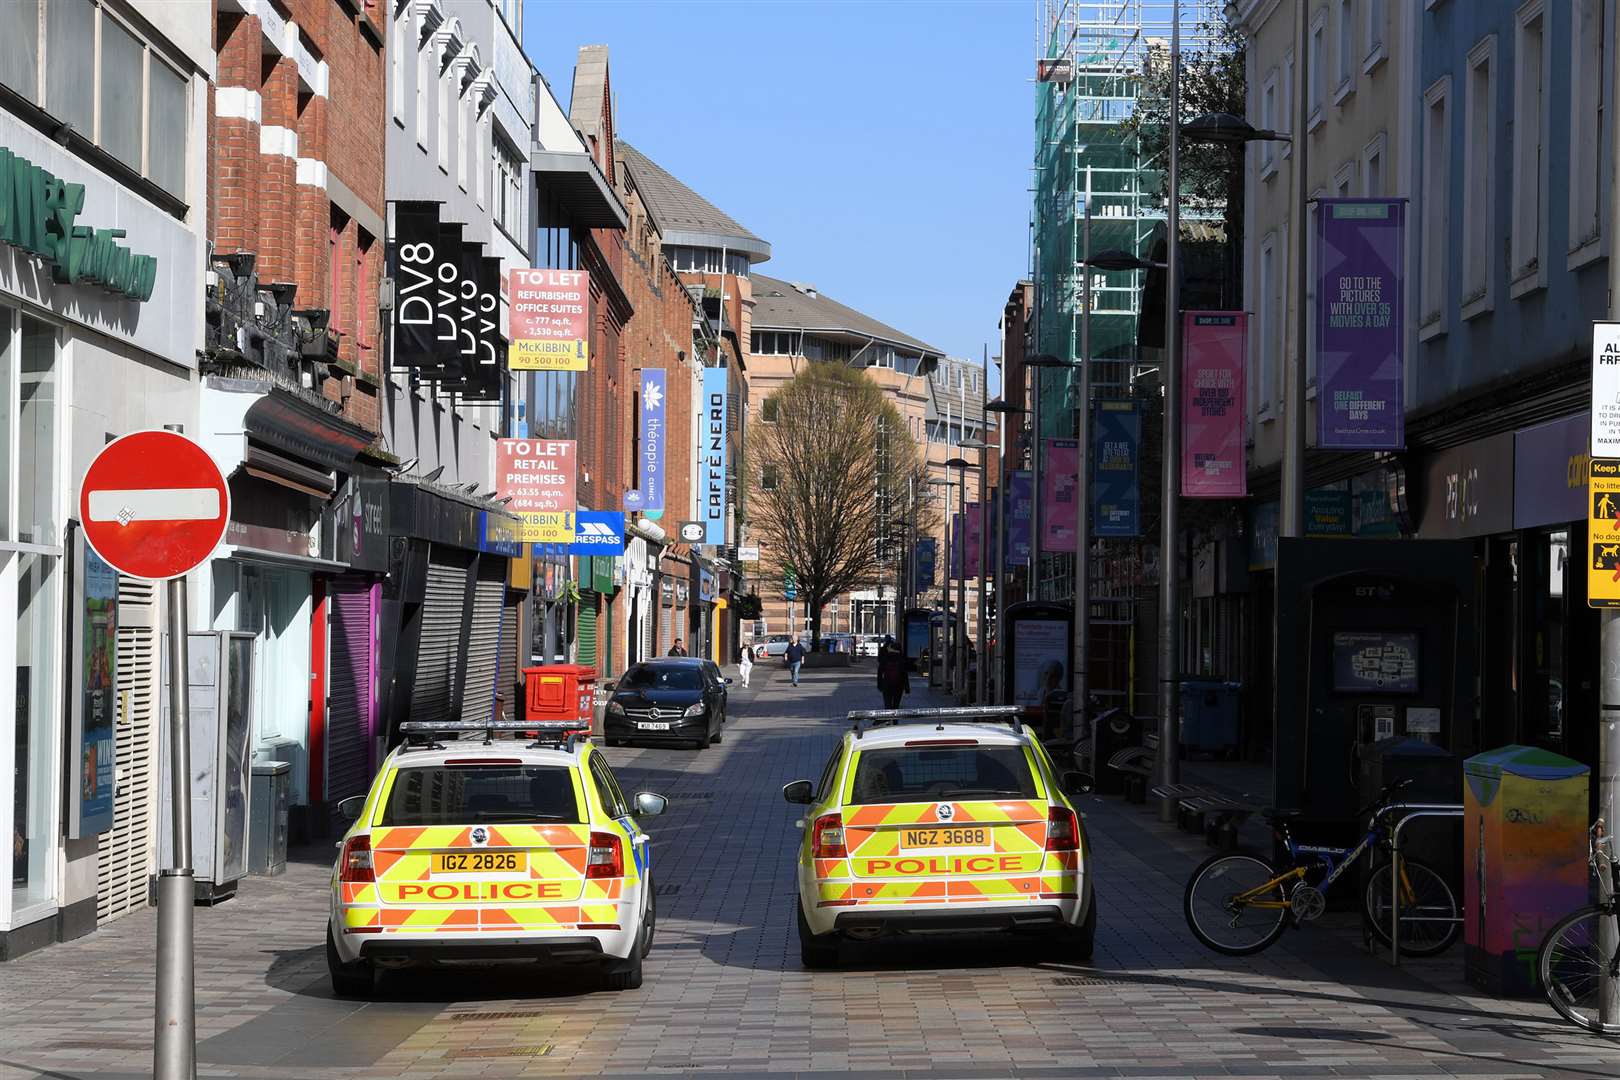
{"x":585,"y":631}
{"x":666,"y":622}
{"x":348,"y":709}
{"x":648,"y":645}
{"x":483,"y":643}
{"x":125,"y":854}
{"x":439,"y":646}
{"x":511,"y":655}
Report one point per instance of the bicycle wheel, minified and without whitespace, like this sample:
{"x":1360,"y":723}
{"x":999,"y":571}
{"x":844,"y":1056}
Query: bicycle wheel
{"x":1426,"y":902}
{"x":1223,"y":922}
{"x":1575,"y":967}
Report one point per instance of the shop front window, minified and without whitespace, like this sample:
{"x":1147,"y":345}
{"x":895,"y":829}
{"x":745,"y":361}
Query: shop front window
{"x":36,"y":422}
{"x":32,"y":801}
{"x":1547,"y":709}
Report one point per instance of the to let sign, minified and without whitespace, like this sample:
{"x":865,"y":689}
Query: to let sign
{"x":1606,"y":389}
{"x":538,"y":475}
{"x":550,"y":315}
{"x":154,"y":505}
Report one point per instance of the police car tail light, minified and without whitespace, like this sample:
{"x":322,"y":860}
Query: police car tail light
{"x":827,"y":838}
{"x":1062,"y":830}
{"x":606,"y":857}
{"x":356,"y":862}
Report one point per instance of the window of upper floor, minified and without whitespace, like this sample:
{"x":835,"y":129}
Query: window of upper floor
{"x":698,"y":260}
{"x":85,"y":66}
{"x":773,"y":343}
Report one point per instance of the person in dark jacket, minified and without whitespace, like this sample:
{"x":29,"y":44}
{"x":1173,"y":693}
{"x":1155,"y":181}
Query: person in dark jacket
{"x":892,"y":677}
{"x":678,"y":649}
{"x":794,"y":657}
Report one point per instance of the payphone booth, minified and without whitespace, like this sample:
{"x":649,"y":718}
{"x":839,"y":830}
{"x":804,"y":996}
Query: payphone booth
{"x":1375,"y":640}
{"x":916,"y":629}
{"x":1039,"y":654}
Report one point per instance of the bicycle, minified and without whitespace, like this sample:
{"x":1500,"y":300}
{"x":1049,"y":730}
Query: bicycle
{"x":1239,"y":904}
{"x":1579,"y":961}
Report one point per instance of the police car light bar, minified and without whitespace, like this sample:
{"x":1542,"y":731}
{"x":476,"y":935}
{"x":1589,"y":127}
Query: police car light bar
{"x":544,"y":730}
{"x":963,"y":714}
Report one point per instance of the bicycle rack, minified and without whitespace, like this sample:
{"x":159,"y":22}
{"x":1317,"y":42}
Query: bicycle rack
{"x":1410,"y":812}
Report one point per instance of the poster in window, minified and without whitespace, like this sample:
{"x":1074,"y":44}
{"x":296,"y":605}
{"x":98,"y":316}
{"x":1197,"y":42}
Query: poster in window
{"x":95,"y":765}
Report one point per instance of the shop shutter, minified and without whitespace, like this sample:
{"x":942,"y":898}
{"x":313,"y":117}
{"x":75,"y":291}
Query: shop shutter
{"x":483,"y":644}
{"x":506,"y":676}
{"x":348,"y":707}
{"x":666,"y":623}
{"x":125,"y":854}
{"x":439,"y":644}
{"x":585,"y":631}
{"x":647,"y":624}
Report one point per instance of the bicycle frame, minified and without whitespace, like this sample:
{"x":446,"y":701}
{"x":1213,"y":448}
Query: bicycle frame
{"x":1337,"y":860}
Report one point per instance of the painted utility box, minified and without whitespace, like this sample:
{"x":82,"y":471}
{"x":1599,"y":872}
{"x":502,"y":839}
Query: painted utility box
{"x":1524,"y":860}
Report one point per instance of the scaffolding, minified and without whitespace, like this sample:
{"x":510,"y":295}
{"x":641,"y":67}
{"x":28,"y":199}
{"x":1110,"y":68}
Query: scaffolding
{"x":1093,"y":58}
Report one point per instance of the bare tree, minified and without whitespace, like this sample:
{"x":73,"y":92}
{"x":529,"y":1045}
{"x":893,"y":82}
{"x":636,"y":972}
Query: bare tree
{"x":834,"y":465}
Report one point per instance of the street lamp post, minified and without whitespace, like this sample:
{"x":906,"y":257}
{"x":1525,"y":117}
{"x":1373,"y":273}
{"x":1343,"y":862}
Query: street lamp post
{"x":1003,"y":511}
{"x":961,"y":465}
{"x":981,"y":570}
{"x":945,"y":589}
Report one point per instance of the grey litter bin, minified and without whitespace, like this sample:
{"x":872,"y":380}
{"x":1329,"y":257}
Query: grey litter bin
{"x":267,"y":825}
{"x":1209,"y":716}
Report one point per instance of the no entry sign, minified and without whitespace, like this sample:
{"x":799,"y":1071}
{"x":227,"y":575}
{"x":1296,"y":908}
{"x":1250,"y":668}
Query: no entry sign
{"x":154,"y":505}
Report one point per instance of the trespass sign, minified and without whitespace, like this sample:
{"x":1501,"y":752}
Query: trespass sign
{"x":38,"y":212}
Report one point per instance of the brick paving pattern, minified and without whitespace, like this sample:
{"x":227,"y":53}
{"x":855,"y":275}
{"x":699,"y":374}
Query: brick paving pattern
{"x":725,"y":992}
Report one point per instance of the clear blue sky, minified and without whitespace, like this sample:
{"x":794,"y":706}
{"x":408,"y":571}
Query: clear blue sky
{"x":883,"y":148}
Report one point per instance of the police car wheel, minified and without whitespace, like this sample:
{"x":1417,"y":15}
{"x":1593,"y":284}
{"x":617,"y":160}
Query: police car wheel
{"x":348,"y":980}
{"x":815,"y":952}
{"x":1078,"y":943}
{"x":626,"y":974}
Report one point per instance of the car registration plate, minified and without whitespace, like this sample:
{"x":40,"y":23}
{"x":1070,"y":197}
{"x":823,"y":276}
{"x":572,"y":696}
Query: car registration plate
{"x":645,"y":726}
{"x":480,"y":862}
{"x":958,"y":837}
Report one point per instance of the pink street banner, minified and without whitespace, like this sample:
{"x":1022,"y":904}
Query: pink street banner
{"x":1060,"y":518}
{"x":1213,"y":344}
{"x":968,"y":546}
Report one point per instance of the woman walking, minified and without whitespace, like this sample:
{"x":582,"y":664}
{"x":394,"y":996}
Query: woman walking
{"x":745,"y":663}
{"x":892,"y":677}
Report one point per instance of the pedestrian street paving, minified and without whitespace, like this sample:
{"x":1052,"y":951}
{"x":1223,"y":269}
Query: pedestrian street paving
{"x":725,"y":993}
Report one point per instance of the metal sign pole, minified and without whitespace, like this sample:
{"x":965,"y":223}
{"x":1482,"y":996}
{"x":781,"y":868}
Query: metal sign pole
{"x":175,"y":1019}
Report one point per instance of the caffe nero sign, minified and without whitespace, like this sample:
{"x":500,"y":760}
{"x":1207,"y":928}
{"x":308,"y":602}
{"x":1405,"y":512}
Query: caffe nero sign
{"x":39,"y":213}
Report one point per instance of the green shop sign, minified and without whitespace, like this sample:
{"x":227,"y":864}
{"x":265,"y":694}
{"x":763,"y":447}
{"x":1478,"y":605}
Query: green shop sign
{"x":37,"y":212}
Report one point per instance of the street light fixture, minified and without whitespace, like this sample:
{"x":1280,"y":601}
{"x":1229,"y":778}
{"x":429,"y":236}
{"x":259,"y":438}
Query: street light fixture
{"x":1225,"y":129}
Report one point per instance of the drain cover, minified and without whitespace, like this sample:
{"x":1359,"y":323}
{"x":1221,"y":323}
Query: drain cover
{"x":501,"y":1051}
{"x":517,"y":1014}
{"x":1082,"y":980}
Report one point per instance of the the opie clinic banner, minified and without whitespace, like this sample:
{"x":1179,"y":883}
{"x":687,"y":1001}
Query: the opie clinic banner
{"x":648,"y":494}
{"x":1213,"y":404}
{"x":1359,"y":315}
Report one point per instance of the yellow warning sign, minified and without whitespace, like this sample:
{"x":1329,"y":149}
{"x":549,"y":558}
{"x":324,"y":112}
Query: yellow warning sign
{"x":1603,"y":533}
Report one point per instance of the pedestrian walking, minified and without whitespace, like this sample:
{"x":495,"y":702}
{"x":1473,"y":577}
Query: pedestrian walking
{"x":678,"y":649}
{"x":892,"y":677}
{"x":794,"y":657}
{"x":745,"y":663}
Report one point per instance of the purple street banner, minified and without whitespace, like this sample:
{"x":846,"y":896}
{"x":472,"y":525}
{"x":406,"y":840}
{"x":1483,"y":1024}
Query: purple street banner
{"x":968,"y":545}
{"x":1213,"y":344}
{"x":1359,"y":315}
{"x":648,"y":494}
{"x":1021,"y":499}
{"x":1061,"y":521}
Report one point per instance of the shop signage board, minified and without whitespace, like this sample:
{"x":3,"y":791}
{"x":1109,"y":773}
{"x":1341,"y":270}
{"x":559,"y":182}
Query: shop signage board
{"x":1212,"y":464}
{"x":598,"y":532}
{"x":1606,"y":389}
{"x":538,"y":475}
{"x":1061,"y":520}
{"x":712,"y":456}
{"x":692,"y":532}
{"x":446,"y":315}
{"x":154,"y":505}
{"x":1116,"y":497}
{"x":550,"y":320}
{"x":1603,"y":533}
{"x":647,"y":496}
{"x":1359,"y":324}
{"x":748,"y":553}
{"x":1468,"y":490}
{"x":1551,"y":462}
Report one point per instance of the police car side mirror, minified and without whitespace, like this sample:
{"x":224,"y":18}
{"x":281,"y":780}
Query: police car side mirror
{"x":800,"y":791}
{"x":349,"y":809}
{"x":1076,"y":782}
{"x":650,"y":805}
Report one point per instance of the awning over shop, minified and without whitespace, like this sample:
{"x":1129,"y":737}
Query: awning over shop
{"x":578,"y":187}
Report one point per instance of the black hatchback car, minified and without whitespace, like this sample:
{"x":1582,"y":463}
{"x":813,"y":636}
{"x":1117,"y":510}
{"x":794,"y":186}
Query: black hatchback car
{"x":672,"y":700}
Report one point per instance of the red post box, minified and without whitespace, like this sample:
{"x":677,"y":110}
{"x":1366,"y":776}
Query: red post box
{"x":560,"y":692}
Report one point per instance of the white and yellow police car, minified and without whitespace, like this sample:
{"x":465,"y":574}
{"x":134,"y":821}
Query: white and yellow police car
{"x":473,"y":848}
{"x":930,"y":820}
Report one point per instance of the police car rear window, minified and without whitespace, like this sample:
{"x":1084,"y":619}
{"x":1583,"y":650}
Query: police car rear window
{"x":928,"y":774}
{"x":481,"y":794}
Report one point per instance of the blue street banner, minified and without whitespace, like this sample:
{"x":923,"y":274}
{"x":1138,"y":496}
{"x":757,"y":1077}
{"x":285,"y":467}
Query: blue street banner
{"x":1021,"y":500}
{"x":1360,"y":279}
{"x":923,"y":563}
{"x":712,"y":455}
{"x":598,"y":532}
{"x":647,"y":496}
{"x":1116,"y":500}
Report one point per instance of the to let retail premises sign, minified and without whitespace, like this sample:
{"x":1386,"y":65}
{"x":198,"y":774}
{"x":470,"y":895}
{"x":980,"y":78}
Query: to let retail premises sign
{"x":38,"y":212}
{"x":1606,"y":389}
{"x":550,"y":317}
{"x":538,"y":476}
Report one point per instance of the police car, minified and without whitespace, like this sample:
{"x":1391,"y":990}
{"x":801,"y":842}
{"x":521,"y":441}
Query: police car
{"x":473,"y":848}
{"x":933,"y":820}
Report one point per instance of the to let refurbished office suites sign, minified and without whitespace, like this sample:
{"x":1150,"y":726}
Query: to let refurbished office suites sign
{"x":38,"y":212}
